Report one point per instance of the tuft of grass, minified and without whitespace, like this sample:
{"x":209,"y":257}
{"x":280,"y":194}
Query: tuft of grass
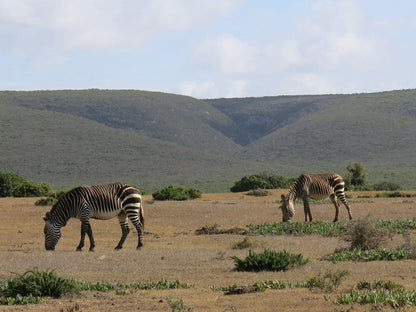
{"x":246,"y":243}
{"x":178,"y":305}
{"x":269,"y":260}
{"x":328,"y":282}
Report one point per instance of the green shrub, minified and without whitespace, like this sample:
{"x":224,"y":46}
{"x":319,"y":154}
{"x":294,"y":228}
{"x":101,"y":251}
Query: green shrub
{"x":13,"y":185}
{"x":38,"y":284}
{"x":269,"y":260}
{"x":50,"y":200}
{"x":259,"y":181}
{"x":176,"y":193}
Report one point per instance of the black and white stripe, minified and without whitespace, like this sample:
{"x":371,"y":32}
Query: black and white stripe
{"x":315,"y":186}
{"x":98,"y":202}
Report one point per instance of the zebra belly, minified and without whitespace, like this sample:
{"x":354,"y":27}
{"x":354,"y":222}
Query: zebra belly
{"x":319,"y":196}
{"x":105,"y":215}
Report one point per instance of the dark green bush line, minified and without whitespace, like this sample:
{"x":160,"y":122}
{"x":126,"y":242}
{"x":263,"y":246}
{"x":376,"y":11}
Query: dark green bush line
{"x":176,"y":193}
{"x":327,"y":228}
{"x":31,"y":286}
{"x":269,"y":260}
{"x":371,"y":255}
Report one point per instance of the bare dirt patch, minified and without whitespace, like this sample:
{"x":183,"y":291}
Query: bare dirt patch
{"x":173,"y":251}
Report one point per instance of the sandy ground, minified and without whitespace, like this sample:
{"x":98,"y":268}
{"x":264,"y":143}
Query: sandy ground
{"x":173,"y":251}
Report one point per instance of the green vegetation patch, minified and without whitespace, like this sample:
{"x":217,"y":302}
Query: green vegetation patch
{"x":327,"y":228}
{"x":269,"y":260}
{"x":299,"y":228}
{"x":371,"y":255}
{"x":31,"y":286}
{"x":379,"y":293}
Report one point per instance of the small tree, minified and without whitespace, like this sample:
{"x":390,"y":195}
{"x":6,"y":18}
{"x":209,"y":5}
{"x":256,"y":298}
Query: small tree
{"x":355,"y":177}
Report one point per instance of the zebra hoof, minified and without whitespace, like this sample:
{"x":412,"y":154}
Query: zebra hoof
{"x":138,"y":248}
{"x":79,"y":249}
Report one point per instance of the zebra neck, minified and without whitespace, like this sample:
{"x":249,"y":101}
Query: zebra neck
{"x":293,"y":194}
{"x":59,"y":217}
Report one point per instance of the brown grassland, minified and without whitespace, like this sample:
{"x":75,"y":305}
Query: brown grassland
{"x":173,"y":251}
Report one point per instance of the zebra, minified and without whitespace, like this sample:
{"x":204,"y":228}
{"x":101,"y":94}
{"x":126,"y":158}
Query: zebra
{"x":315,"y":186}
{"x":101,"y":202}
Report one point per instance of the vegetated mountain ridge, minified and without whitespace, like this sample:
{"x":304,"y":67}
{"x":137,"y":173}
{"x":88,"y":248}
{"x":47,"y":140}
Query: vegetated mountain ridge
{"x":156,"y":138}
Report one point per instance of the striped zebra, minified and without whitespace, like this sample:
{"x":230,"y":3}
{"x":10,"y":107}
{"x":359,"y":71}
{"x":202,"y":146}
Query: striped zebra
{"x":315,"y":186}
{"x":98,"y":202}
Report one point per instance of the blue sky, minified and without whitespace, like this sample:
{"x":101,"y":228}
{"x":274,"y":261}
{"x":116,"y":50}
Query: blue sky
{"x":209,"y":48}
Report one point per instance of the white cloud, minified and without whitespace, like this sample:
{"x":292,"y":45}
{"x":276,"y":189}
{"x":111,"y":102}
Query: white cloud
{"x":97,"y":24}
{"x":228,"y":55}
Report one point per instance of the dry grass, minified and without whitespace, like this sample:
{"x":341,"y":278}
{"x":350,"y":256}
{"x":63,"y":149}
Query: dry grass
{"x":173,"y":251}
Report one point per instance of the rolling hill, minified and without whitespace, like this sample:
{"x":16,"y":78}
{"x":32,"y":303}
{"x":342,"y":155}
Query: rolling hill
{"x":151,"y":139}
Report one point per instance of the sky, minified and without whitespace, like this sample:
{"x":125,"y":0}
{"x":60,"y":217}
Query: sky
{"x":209,"y":48}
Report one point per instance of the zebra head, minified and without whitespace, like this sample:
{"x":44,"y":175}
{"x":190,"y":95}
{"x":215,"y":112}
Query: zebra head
{"x":288,"y":208}
{"x":52,"y":233}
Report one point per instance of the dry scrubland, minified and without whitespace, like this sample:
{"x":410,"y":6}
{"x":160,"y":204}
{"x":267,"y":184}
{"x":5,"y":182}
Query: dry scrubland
{"x":173,"y":251}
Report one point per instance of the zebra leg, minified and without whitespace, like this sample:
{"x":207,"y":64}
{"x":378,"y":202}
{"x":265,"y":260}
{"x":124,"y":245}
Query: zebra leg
{"x":85,"y":228}
{"x":122,"y":219}
{"x":307,"y":209}
{"x":344,"y":201}
{"x":335,"y":202}
{"x":139,"y":228}
{"x":90,"y":236}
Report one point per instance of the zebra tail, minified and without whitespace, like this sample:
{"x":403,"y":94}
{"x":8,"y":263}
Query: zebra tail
{"x":141,"y":214}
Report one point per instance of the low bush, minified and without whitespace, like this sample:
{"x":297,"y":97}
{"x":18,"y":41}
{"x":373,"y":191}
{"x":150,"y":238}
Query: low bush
{"x":176,"y":193}
{"x":364,"y":235}
{"x":269,"y":260}
{"x":259,"y":181}
{"x":38,"y":284}
{"x":328,"y":282}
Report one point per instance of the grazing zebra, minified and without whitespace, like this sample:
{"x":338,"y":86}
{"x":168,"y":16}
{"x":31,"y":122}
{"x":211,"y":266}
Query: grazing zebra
{"x":98,"y":202}
{"x":315,"y":186}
